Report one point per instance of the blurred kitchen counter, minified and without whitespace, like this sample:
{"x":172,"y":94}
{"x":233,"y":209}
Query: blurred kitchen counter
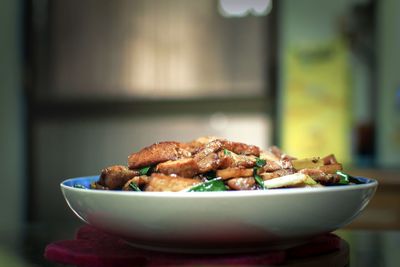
{"x":383,"y":212}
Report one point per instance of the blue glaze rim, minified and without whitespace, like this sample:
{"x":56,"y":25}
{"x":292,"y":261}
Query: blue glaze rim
{"x":85,"y":181}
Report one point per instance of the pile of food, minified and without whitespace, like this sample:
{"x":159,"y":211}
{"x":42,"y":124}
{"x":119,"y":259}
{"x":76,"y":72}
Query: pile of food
{"x":215,"y":164}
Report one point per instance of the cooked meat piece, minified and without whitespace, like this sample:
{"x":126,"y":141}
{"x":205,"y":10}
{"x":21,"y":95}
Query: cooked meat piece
{"x":160,"y":182}
{"x":244,"y":161}
{"x":241,"y":148}
{"x":269,"y":175}
{"x":225,"y":161}
{"x":328,"y":179}
{"x":269,"y":156}
{"x":196,"y":145}
{"x":156,"y":153}
{"x":230,"y":159}
{"x":332,"y":168}
{"x":209,"y":163}
{"x":115,"y":177}
{"x":320,"y":176}
{"x":276,"y":151}
{"x":208,"y":149}
{"x":330,"y":159}
{"x":191,"y":147}
{"x":234,"y":172}
{"x":286,"y":161}
{"x":242,"y":183}
{"x":178,"y":166}
{"x":140,"y":181}
{"x":276,"y":174}
{"x":182,"y":167}
{"x":205,"y":139}
{"x":271,"y":166}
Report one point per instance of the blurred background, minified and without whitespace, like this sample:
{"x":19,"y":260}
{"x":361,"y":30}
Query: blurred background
{"x":85,"y":83}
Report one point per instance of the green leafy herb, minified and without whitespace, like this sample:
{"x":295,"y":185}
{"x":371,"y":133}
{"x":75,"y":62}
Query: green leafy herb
{"x":259,"y":181}
{"x":345,"y":179}
{"x":134,"y":186}
{"x":145,"y":170}
{"x":258,"y":178}
{"x":227,"y":152}
{"x":212,"y":185}
{"x":260,"y":162}
{"x":79,"y":186}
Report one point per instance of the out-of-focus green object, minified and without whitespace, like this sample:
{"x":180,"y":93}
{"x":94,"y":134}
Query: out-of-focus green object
{"x":9,"y":259}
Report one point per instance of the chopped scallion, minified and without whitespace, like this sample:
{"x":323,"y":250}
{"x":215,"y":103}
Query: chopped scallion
{"x":134,"y":186}
{"x":212,"y":185}
{"x":258,"y":178}
{"x":145,"y":170}
{"x":260,"y":162}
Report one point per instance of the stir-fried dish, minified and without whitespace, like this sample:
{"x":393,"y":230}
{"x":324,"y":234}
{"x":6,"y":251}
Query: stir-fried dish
{"x":215,"y":164}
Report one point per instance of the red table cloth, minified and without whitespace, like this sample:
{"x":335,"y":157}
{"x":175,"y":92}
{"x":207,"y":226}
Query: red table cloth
{"x":94,"y":248}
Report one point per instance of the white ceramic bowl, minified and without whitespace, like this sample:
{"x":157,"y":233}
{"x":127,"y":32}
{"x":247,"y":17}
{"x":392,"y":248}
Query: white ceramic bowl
{"x":218,"y":222}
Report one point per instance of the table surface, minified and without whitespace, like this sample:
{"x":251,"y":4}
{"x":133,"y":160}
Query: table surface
{"x":367,"y":248}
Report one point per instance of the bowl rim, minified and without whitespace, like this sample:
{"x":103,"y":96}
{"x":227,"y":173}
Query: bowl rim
{"x":67,"y":185}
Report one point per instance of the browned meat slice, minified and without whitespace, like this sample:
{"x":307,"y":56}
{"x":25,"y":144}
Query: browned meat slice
{"x":230,"y":159}
{"x":330,"y":159}
{"x":193,"y":148}
{"x":244,"y":161}
{"x":320,"y":176}
{"x":242,"y":183}
{"x":276,"y":174}
{"x":156,"y":153}
{"x":268,"y":155}
{"x":140,"y":181}
{"x":234,"y":172}
{"x":115,"y":177}
{"x":241,"y":148}
{"x":286,"y":161}
{"x":205,"y":139}
{"x":209,"y":163}
{"x":225,"y":161}
{"x":196,"y":145}
{"x":331,"y":168}
{"x":160,"y":182}
{"x":208,"y":149}
{"x":182,"y":167}
{"x":276,"y":151}
{"x":271,"y":166}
